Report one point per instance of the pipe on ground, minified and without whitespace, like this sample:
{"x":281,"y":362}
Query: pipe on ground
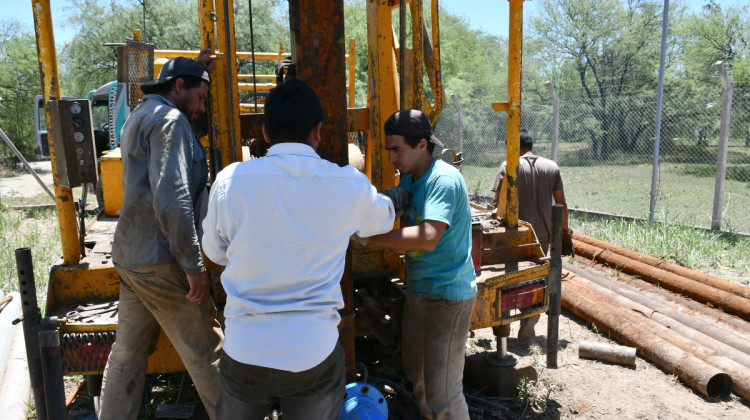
{"x":736,"y":305}
{"x":639,"y":316}
{"x":682,"y":303}
{"x":696,"y":320}
{"x":698,"y":374}
{"x":608,"y":352}
{"x":675,"y":331}
{"x":716,"y":282}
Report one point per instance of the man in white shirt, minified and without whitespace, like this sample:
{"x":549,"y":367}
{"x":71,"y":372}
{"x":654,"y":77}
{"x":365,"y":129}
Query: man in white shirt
{"x":281,"y":225}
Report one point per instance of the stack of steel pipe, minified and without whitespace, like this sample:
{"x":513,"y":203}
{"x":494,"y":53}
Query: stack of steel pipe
{"x":707,"y":349}
{"x":730,"y":297}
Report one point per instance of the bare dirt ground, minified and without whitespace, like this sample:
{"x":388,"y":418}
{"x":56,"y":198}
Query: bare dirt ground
{"x":24,"y":184}
{"x":590,"y":389}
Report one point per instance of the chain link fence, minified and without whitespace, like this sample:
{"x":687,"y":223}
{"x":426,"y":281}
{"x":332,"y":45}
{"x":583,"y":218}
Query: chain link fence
{"x":606,"y":153}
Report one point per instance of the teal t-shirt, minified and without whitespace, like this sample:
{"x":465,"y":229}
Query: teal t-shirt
{"x":447,"y":272}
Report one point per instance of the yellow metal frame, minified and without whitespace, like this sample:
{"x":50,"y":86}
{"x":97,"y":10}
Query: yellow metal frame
{"x":513,"y":108}
{"x":66,"y":215}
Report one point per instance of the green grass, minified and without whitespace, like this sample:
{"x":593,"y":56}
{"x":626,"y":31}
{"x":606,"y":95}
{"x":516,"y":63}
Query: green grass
{"x":42,"y":198}
{"x":722,"y":255}
{"x":682,"y":198}
{"x":37,"y":229}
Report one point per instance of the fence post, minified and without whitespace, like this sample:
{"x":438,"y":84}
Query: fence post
{"x":659,"y":98}
{"x":721,"y":160}
{"x":460,"y":125}
{"x":555,"y":120}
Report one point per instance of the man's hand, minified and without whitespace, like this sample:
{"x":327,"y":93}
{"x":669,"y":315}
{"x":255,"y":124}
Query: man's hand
{"x":567,"y":242}
{"x":207,"y":60}
{"x":199,"y":286}
{"x":400,"y":197}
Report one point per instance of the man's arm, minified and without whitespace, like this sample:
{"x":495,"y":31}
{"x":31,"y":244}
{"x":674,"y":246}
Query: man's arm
{"x":496,"y":199}
{"x":173,"y":205}
{"x":423,"y":237}
{"x":559,"y":197}
{"x":567,"y":240}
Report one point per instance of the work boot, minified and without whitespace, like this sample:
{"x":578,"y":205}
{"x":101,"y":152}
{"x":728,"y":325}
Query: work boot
{"x":526,"y":331}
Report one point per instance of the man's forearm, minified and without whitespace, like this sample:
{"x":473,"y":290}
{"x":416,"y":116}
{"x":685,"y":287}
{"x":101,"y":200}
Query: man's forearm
{"x":423,"y":237}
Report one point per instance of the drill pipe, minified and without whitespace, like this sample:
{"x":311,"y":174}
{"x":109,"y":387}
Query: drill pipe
{"x":736,"y":305}
{"x":717,"y":347}
{"x":633,"y":313}
{"x":686,"y":305}
{"x":698,"y":374}
{"x":716,"y":282}
{"x":701,"y":321}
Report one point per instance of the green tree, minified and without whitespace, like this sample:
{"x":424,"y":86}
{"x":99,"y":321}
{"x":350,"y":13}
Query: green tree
{"x":19,"y":84}
{"x":716,"y":33}
{"x":606,"y":49}
{"x":87,"y":62}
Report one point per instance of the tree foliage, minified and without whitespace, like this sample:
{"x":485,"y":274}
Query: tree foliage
{"x":594,"y":51}
{"x":19,"y":83}
{"x":716,"y":33}
{"x":609,"y":48}
{"x":169,"y":24}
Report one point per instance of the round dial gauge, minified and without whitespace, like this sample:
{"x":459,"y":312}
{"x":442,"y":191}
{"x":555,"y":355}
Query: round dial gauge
{"x":77,"y":122}
{"x":75,"y":108}
{"x":78,"y":136}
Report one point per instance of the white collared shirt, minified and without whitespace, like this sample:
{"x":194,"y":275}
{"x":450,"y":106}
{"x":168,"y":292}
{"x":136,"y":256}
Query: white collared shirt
{"x":281,"y":225}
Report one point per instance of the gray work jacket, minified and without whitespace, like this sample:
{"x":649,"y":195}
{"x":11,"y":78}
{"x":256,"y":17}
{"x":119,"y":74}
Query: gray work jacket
{"x":164,"y":174}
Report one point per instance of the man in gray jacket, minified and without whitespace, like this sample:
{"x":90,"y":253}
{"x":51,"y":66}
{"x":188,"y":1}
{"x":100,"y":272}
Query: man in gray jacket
{"x":156,"y":248}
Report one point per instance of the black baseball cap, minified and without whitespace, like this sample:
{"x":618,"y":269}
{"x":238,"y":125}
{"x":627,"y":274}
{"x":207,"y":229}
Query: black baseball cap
{"x":412,"y":123}
{"x":175,"y":68}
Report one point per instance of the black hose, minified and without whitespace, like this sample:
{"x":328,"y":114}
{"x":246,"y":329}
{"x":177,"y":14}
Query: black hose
{"x":400,"y":390}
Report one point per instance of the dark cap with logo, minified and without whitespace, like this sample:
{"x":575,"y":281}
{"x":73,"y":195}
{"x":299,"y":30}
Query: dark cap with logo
{"x":412,"y":123}
{"x":175,"y":68}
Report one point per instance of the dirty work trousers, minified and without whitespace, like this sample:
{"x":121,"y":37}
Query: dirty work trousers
{"x":433,"y":348}
{"x":246,"y":391}
{"x":151,"y":297}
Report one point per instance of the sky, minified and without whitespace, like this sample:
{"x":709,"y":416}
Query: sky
{"x":490,"y":16}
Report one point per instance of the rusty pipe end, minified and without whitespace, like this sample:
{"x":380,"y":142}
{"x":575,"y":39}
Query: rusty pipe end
{"x":719,"y":386}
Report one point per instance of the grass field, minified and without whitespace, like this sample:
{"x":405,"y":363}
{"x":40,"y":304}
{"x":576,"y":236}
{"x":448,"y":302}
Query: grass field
{"x":682,"y":198}
{"x":36,"y":229}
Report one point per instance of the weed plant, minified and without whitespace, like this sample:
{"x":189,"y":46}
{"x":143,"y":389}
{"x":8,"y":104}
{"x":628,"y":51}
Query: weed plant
{"x":36,"y":229}
{"x":720,"y":254}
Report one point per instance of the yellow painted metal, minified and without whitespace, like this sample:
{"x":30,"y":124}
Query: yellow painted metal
{"x":225,"y":95}
{"x":82,"y":283}
{"x":437,"y":78}
{"x":112,"y":188}
{"x":223,"y":103}
{"x":515,"y":41}
{"x":382,"y":91}
{"x":417,"y":62}
{"x":500,"y":106}
{"x":352,"y":62}
{"x":66,"y":215}
{"x":158,"y":64}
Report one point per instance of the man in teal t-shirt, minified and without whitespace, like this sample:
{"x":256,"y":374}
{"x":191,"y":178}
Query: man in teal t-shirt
{"x":441,"y":284}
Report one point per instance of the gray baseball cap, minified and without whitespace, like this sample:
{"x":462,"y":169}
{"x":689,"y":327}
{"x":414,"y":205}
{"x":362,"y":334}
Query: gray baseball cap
{"x":175,"y":68}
